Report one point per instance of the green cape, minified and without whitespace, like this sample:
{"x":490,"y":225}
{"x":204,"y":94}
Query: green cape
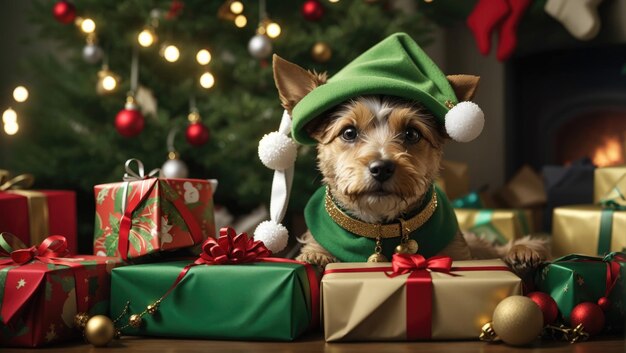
{"x":432,"y":237}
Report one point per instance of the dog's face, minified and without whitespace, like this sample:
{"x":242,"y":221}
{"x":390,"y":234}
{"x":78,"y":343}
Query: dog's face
{"x":378,"y":154}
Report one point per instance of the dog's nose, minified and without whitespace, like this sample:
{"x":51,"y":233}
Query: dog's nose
{"x":382,"y":169}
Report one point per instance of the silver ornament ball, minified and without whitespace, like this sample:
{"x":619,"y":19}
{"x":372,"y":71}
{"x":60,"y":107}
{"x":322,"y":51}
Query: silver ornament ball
{"x":92,"y":53}
{"x":174,"y":168}
{"x":260,"y":46}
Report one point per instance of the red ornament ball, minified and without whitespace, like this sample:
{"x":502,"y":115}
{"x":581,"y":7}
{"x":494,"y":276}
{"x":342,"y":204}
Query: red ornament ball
{"x":547,"y":305}
{"x":604,"y":303}
{"x":312,"y":10}
{"x":197,"y":134}
{"x":129,"y":122}
{"x":590,"y":316}
{"x":64,"y":12}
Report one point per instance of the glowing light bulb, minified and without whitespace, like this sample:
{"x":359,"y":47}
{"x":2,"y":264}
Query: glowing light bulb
{"x":109,"y":83}
{"x":146,"y":37}
{"x":20,"y":94}
{"x":272,"y":30}
{"x":203,"y":57}
{"x":88,"y":25}
{"x":333,"y":1}
{"x":236,"y":7}
{"x":11,"y":128}
{"x":207,"y":80}
{"x":171,"y":53}
{"x":241,"y":21}
{"x":9,"y":116}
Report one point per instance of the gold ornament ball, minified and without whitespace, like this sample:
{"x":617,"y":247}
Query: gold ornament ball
{"x":135,"y":320}
{"x":80,"y":320}
{"x":99,"y":330}
{"x":321,"y":52}
{"x":517,"y":320}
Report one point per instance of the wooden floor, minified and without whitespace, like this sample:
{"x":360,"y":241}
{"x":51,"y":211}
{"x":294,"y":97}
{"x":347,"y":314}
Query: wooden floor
{"x":317,"y":344}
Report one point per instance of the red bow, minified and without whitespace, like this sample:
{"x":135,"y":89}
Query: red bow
{"x":231,"y":248}
{"x":52,"y":247}
{"x":405,"y":263}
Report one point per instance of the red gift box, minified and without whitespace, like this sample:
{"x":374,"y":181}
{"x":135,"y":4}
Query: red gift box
{"x":33,"y":215}
{"x":41,"y":290}
{"x":146,"y":215}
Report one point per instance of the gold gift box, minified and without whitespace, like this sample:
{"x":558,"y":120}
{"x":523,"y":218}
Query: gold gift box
{"x":576,"y":230}
{"x":606,"y":179}
{"x":508,"y":223}
{"x":369,"y":306}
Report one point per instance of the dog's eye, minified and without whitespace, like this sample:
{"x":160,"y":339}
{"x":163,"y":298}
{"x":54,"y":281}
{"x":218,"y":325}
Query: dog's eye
{"x":349,"y":133}
{"x":411,"y":135}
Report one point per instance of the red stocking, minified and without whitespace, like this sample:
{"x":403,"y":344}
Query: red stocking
{"x":508,"y":33}
{"x":485,"y":16}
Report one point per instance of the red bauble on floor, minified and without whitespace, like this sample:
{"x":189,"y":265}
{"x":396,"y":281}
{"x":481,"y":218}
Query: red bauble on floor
{"x":64,"y":12}
{"x":197,"y":134}
{"x":129,"y":122}
{"x":547,"y":305}
{"x":590,"y":315}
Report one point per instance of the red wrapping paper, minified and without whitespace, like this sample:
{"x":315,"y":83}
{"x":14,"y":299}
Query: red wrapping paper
{"x":14,"y":216}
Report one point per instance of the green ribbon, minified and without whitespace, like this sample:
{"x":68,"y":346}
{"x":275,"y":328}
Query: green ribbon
{"x":609,"y":205}
{"x":471,"y":200}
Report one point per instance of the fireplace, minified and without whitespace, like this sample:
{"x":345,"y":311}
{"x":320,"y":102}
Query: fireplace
{"x":565,"y":105}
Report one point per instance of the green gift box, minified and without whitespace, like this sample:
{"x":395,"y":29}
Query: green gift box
{"x":249,"y":301}
{"x":574,"y":279}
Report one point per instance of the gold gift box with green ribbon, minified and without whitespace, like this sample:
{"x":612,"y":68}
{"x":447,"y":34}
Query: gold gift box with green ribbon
{"x":606,"y":180}
{"x":594,"y":229}
{"x":497,"y":226}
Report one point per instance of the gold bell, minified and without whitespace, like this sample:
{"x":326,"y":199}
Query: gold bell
{"x":412,"y":246}
{"x":402,"y":249}
{"x":377,"y":258}
{"x":135,"y":320}
{"x":80,"y":320}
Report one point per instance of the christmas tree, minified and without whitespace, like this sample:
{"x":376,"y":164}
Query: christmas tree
{"x":67,"y":135}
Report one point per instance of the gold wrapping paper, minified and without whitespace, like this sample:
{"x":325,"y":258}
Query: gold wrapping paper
{"x":372,"y":307}
{"x":506,"y":222}
{"x":455,"y":178}
{"x":37,"y":214}
{"x":576,"y":229}
{"x":606,"y":179}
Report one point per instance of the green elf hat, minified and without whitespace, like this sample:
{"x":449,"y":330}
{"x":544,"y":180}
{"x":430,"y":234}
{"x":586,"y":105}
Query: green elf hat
{"x":396,"y":66}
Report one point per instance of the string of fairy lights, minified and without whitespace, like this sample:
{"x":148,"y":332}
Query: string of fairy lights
{"x":108,"y":81}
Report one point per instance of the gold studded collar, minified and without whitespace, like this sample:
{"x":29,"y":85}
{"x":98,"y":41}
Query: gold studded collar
{"x":371,"y":230}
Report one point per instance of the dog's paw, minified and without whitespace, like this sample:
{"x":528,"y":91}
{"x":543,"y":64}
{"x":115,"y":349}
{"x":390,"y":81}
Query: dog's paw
{"x":316,"y":258}
{"x":523,"y":259}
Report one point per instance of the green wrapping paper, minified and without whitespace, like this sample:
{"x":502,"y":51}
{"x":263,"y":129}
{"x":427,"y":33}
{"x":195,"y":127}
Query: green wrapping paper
{"x":573,"y":279}
{"x":252,"y":301}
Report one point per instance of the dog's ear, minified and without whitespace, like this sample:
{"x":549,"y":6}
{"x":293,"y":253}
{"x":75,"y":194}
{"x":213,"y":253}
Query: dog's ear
{"x":464,"y":86}
{"x":294,"y":82}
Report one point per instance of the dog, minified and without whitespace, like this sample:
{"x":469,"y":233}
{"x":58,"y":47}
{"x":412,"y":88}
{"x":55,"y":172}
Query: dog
{"x":379,"y":156}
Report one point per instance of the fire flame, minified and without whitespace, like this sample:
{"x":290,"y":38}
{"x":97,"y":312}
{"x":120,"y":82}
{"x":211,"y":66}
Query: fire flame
{"x":611,"y":152}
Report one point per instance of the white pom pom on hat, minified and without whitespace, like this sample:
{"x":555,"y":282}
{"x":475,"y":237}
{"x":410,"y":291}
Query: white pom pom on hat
{"x":465,"y":121}
{"x":274,"y":235}
{"x":277,"y":151}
